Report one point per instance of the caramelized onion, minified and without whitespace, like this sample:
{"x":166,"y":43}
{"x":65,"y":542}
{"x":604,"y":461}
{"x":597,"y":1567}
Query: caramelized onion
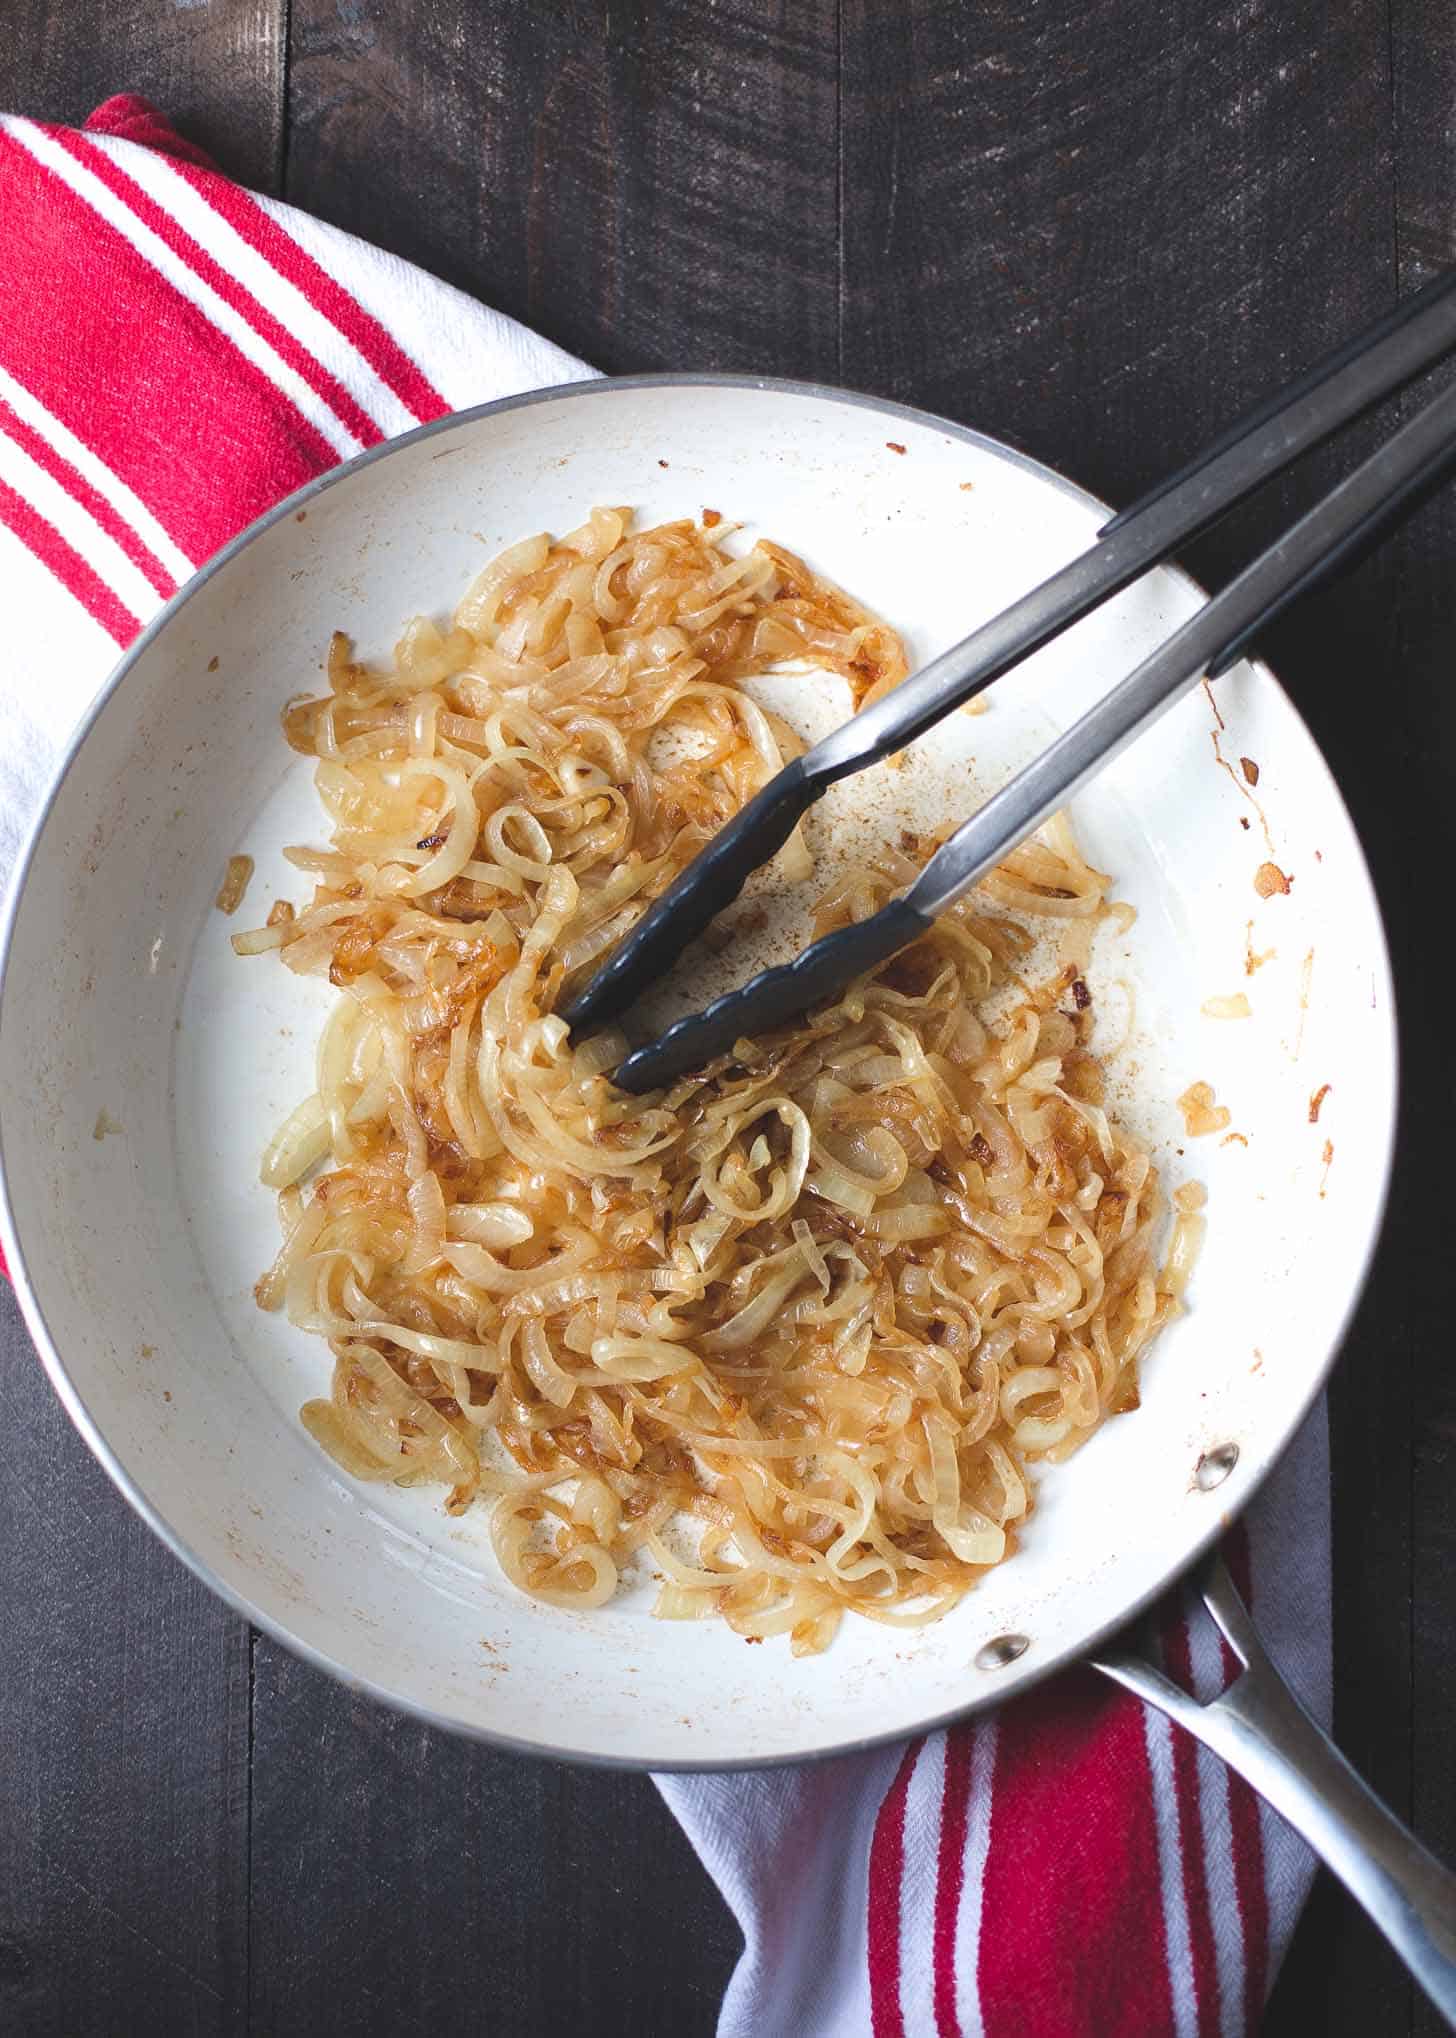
{"x":794,"y":1332}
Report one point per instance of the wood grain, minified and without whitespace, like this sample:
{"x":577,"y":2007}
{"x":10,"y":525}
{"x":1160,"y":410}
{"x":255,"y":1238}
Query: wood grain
{"x":1424,"y":58}
{"x":404,"y":1880}
{"x":653,"y":185}
{"x":215,"y":66}
{"x":123,"y":1750}
{"x":1094,"y":228}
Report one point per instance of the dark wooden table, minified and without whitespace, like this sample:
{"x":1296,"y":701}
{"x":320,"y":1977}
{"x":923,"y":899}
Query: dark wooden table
{"x":1095,"y":227}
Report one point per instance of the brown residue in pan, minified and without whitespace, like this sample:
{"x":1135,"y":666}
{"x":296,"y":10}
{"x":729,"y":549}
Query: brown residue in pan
{"x":751,"y":921}
{"x":1238,"y":783}
{"x":1269,"y":879}
{"x":1306,"y":974}
{"x":1316,"y":1101}
{"x":1326,"y":1157}
{"x":894,"y":445}
{"x":1233,"y":1139}
{"x":1252,"y":960}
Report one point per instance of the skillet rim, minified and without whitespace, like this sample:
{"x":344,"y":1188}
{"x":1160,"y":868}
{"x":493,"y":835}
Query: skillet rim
{"x":91,"y":1430}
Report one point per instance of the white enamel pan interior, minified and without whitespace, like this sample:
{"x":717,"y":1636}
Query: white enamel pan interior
{"x":142,"y":1066}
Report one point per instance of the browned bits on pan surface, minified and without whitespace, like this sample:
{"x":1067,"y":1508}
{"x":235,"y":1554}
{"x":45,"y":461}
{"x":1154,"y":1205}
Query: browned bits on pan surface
{"x":1250,"y":770}
{"x":894,"y":445}
{"x":1253,"y":960}
{"x":1269,"y":879}
{"x":1316,"y":1101}
{"x":1081,"y":996}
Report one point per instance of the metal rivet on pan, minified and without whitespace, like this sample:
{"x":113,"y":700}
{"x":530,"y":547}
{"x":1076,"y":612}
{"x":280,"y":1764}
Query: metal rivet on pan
{"x":1215,"y":1465}
{"x":1001,"y":1650}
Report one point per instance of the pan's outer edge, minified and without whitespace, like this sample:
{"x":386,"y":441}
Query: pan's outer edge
{"x":976,"y":1700}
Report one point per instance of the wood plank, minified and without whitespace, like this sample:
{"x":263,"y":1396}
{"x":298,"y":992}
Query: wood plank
{"x":1424,"y":745}
{"x":653,"y":186}
{"x":1100,"y":232}
{"x":125,"y":1689}
{"x":1094,"y":229}
{"x":216,"y":69}
{"x":123,"y":1749}
{"x":406,"y":1880}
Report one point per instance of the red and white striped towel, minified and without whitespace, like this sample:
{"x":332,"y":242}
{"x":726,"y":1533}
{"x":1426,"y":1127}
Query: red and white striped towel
{"x":175,"y":356}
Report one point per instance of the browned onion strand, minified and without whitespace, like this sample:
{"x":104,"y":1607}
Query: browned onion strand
{"x":822,"y":1305}
{"x":234,"y":884}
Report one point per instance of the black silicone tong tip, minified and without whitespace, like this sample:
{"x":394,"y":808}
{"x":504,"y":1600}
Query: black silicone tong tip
{"x":824,"y":969}
{"x":708,"y":886}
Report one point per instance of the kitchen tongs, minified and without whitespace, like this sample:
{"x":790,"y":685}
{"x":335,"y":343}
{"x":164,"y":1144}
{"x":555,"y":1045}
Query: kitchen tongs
{"x":1340,"y":528}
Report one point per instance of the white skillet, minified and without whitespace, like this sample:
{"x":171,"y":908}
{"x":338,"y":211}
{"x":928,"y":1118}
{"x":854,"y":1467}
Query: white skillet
{"x":142,"y":1066}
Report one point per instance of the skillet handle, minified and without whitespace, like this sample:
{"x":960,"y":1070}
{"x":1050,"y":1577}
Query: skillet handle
{"x":1264,"y":1734}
